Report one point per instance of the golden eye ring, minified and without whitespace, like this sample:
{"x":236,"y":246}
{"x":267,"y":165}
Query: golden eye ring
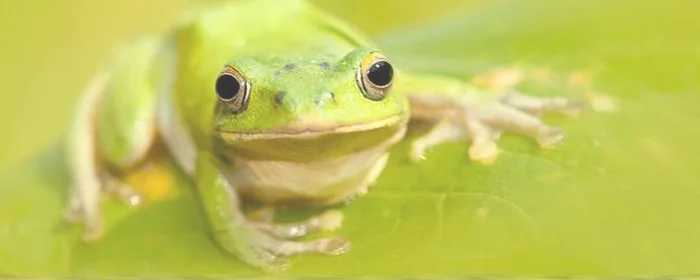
{"x":375,"y":76}
{"x":232,"y":89}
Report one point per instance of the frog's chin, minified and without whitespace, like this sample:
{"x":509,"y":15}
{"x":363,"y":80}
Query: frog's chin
{"x":306,"y":129}
{"x":295,"y":144}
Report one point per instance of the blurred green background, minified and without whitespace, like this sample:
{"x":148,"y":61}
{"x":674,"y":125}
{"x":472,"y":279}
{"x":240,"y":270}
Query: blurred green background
{"x":621,"y":196}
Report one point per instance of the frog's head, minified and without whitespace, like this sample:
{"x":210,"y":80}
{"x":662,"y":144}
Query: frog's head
{"x":309,"y":107}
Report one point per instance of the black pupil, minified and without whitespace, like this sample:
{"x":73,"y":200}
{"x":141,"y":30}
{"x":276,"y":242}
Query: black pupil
{"x":227,"y":87}
{"x":380,"y":73}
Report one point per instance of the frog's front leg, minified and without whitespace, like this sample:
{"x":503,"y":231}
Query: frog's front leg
{"x":258,"y":243}
{"x":463,"y":112}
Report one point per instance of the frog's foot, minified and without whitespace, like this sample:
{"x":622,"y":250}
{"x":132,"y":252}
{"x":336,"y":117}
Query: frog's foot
{"x":483,"y":123}
{"x":77,"y":213}
{"x":443,"y":131}
{"x":89,"y":213}
{"x":125,"y":192}
{"x":267,"y":246}
{"x":327,"y":221}
{"x":84,"y":208}
{"x":73,"y":213}
{"x":505,"y":117}
{"x":483,"y":148}
{"x":537,"y":105}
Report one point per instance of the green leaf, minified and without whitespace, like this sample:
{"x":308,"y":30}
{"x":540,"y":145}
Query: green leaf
{"x":620,"y":196}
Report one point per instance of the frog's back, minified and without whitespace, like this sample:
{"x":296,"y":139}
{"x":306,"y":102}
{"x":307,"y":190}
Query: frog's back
{"x":264,"y":30}
{"x":257,"y":28}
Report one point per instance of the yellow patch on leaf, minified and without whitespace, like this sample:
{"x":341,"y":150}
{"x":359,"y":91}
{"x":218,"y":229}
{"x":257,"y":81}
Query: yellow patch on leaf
{"x":153,"y":181}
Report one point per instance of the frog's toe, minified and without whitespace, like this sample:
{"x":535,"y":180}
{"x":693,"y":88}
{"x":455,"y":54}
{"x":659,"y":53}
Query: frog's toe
{"x":417,"y":151}
{"x":484,"y":152}
{"x":510,"y":119}
{"x":276,"y":264}
{"x":327,"y":221}
{"x":93,"y":229}
{"x":327,"y":246}
{"x":72,"y":216}
{"x":573,"y":108}
{"x":252,"y":246}
{"x":73,"y":213}
{"x":483,"y":148}
{"x":78,"y":213}
{"x":125,"y":192}
{"x":264,"y":259}
{"x":337,"y":246}
{"x":549,"y":137}
{"x":260,"y":248}
{"x":444,"y":131}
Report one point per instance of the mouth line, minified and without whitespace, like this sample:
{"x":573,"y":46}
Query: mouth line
{"x":291,"y":133}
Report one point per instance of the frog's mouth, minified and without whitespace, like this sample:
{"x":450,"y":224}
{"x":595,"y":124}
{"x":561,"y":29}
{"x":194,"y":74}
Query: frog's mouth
{"x":308,"y":129}
{"x":308,"y":140}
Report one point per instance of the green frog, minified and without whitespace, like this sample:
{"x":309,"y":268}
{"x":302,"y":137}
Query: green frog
{"x":277,"y":102}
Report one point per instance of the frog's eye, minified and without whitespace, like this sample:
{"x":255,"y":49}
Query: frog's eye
{"x":232,"y":89}
{"x":374,"y":76}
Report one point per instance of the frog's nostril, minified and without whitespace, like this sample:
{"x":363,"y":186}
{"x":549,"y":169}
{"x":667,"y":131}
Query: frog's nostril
{"x":279,"y":97}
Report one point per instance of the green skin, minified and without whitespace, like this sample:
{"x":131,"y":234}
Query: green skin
{"x":309,"y":112}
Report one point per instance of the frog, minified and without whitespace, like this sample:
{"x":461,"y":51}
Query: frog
{"x":280,"y":103}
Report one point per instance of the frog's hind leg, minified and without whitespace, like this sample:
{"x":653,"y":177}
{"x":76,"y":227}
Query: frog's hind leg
{"x":443,"y":131}
{"x":464,"y":112}
{"x":482,"y":149}
{"x":112,"y":130}
{"x":483,"y":125}
{"x":508,"y":118}
{"x":538,"y":105}
{"x":85,"y":192}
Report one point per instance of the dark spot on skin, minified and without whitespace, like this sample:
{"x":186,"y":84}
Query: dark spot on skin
{"x":279,"y":97}
{"x":324,"y":65}
{"x":290,"y":66}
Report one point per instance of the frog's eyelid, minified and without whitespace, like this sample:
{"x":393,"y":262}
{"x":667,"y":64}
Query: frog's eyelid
{"x":359,"y":79}
{"x":246,"y":94}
